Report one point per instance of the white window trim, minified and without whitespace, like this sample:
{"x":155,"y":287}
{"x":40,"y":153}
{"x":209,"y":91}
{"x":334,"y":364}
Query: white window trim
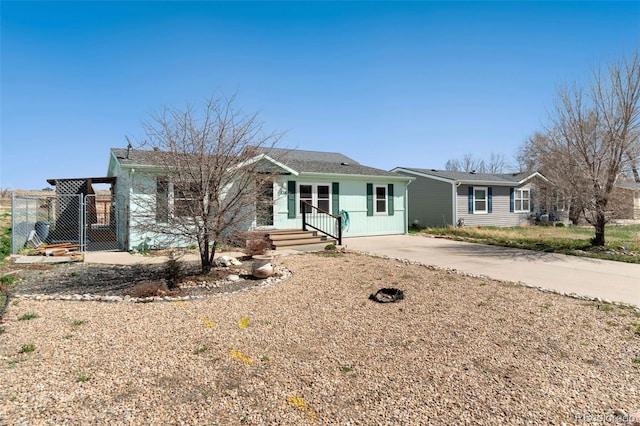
{"x":314,"y":195}
{"x":520,"y":198}
{"x":486,"y":199}
{"x":375,"y":201}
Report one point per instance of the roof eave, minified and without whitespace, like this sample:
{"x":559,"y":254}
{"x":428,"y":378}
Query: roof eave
{"x":346,"y":175}
{"x":531,"y":176}
{"x":425,"y":175}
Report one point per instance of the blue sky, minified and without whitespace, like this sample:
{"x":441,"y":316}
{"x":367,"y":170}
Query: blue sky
{"x":386,"y":83}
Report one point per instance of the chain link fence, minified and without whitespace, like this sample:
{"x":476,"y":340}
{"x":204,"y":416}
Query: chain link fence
{"x":90,"y":222}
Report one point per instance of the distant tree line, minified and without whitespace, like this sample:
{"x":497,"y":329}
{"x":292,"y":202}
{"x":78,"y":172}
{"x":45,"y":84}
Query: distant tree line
{"x":497,"y":163}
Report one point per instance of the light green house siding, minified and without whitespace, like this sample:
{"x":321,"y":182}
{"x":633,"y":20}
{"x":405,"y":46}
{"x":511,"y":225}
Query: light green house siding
{"x":135,"y":194}
{"x":121,"y":193}
{"x":343,"y":185}
{"x":351,"y":199}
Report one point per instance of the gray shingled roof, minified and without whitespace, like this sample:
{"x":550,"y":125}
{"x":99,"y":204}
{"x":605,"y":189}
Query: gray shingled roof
{"x":299,"y":160}
{"x":137,"y":157}
{"x":302,"y":155}
{"x":322,"y":162}
{"x":506,"y":178}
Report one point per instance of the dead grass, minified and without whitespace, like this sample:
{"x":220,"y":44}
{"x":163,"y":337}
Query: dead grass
{"x":623,"y":241}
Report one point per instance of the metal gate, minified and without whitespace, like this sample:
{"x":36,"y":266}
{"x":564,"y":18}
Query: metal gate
{"x":101,"y":220}
{"x":90,"y":222}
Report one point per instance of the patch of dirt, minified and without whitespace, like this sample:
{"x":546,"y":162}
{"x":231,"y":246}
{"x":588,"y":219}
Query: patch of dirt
{"x":119,"y":280}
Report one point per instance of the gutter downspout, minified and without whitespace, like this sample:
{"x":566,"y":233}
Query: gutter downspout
{"x":406,"y":207}
{"x":454,"y":201}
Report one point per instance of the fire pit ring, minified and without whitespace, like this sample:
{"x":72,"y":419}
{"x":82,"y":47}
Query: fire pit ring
{"x":387,"y":295}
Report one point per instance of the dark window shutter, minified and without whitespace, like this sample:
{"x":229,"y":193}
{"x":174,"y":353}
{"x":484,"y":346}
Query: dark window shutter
{"x":369,"y":199}
{"x":291,"y":199}
{"x":512,"y":200}
{"x":335,"y":198}
{"x":531,"y":200}
{"x":489,"y":200}
{"x":390,"y":199}
{"x":470,"y":199}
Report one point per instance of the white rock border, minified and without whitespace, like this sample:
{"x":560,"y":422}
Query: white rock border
{"x":281,"y":274}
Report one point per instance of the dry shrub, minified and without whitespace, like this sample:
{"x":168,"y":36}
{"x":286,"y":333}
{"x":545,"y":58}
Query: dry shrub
{"x":149,"y":289}
{"x":256,"y":247}
{"x":256,"y":243}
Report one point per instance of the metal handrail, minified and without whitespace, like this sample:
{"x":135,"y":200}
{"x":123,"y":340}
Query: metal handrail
{"x":322,"y":221}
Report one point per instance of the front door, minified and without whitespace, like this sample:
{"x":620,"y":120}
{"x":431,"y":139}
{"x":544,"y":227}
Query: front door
{"x":264,"y":205}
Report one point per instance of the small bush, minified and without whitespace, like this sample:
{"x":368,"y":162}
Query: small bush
{"x":173,"y":270}
{"x":200,"y":350}
{"x":8,"y":280}
{"x":330,"y":247}
{"x":84,"y":378}
{"x":149,"y":289}
{"x":27,"y":317}
{"x":25,"y":349}
{"x":256,"y":246}
{"x":559,"y":224}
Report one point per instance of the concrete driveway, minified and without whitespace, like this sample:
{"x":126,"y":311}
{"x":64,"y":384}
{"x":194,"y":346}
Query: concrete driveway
{"x":613,"y":281}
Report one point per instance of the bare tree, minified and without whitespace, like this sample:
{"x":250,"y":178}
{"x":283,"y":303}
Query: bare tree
{"x":497,"y":163}
{"x":468,"y":163}
{"x":208,"y":181}
{"x":552,"y":156}
{"x":593,"y":138}
{"x":632,"y":168}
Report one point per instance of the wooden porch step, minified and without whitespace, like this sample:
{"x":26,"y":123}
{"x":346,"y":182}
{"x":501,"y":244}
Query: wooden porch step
{"x":296,"y":239}
{"x":300,"y":235}
{"x":281,"y":232}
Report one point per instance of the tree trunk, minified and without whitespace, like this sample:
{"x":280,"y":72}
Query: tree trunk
{"x":213,"y":253}
{"x":598,"y":240}
{"x":600,"y":221}
{"x":574,"y":214}
{"x":205,"y":261}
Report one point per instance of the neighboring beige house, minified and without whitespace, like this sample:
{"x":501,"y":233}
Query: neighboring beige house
{"x":630,"y":199}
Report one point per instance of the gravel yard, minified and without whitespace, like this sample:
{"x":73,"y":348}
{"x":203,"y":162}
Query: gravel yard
{"x":312,"y":349}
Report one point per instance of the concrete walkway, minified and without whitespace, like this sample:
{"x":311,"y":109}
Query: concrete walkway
{"x":614,"y":281}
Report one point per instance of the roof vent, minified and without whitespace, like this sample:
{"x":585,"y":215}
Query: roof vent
{"x":473,"y":172}
{"x":155,"y":148}
{"x":344,"y":164}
